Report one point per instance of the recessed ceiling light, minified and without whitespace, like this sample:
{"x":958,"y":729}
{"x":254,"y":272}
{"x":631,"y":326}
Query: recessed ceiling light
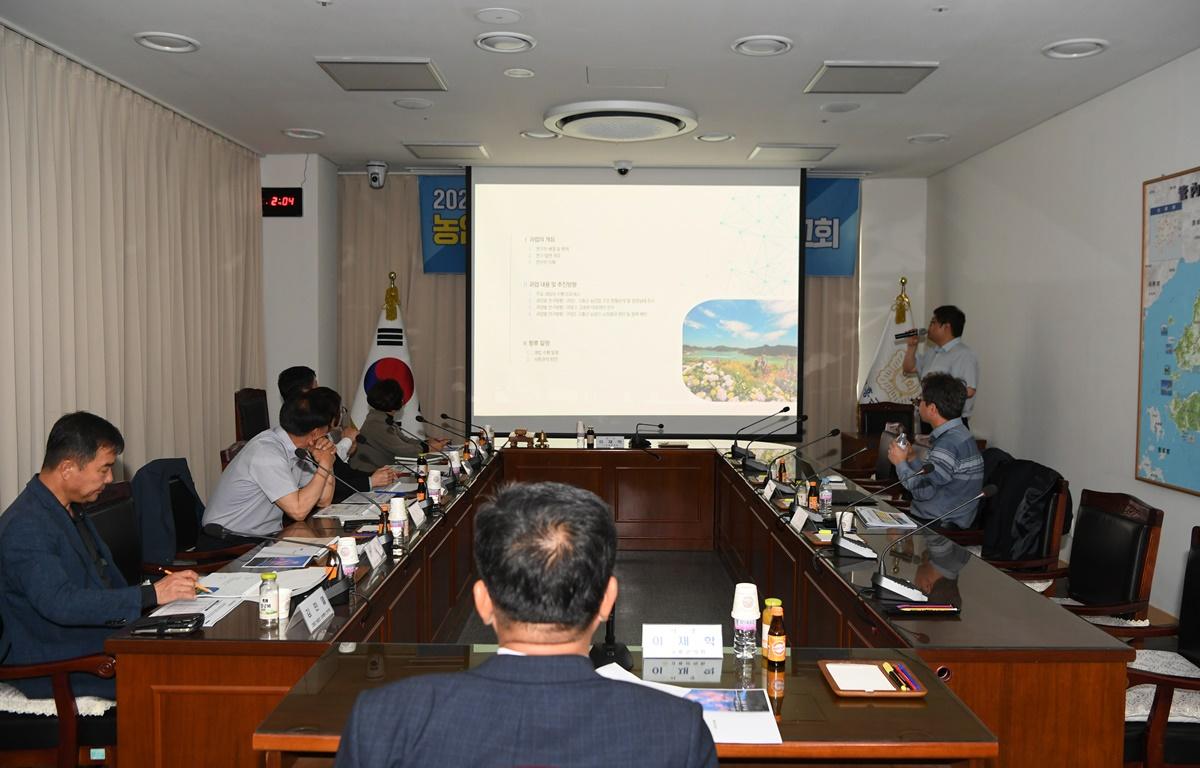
{"x":715,"y":138}
{"x":840,"y":107}
{"x":304,"y":133}
{"x":518,"y":72}
{"x":505,"y":42}
{"x":1075,"y":48}
{"x":928,"y":138}
{"x":498,"y":16}
{"x":539,"y":134}
{"x":762,"y":45}
{"x":412,"y":102}
{"x":167,"y":42}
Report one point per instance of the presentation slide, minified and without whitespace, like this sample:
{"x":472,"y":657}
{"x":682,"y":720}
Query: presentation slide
{"x":619,"y":302}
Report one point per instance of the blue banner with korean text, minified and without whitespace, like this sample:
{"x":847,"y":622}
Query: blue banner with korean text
{"x":444,"y":224}
{"x":831,"y":227}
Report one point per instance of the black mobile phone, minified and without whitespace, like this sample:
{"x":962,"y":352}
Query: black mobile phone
{"x":175,"y":624}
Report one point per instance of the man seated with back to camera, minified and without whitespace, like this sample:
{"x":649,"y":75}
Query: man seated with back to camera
{"x":267,"y":480}
{"x":545,"y":555}
{"x":957,"y":472}
{"x":61,"y":595}
{"x":299,"y":379}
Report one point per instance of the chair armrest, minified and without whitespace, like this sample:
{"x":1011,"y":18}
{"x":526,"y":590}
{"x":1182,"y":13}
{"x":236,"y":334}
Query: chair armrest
{"x":1160,"y":710}
{"x":1050,"y":574}
{"x":99,"y":664}
{"x":1040,"y":565}
{"x":1114,"y":609}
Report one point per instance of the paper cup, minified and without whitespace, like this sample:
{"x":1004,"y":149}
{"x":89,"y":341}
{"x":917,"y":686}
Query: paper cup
{"x":285,"y":604}
{"x":434,"y":481}
{"x":347,"y":549}
{"x":745,"y":602}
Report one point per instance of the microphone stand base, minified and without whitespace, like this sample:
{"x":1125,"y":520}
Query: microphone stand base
{"x":338,"y":592}
{"x":637,"y":441}
{"x":611,"y":653}
{"x":902,"y":588}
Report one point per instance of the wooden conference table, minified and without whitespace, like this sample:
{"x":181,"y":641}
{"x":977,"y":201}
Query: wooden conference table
{"x":816,"y":725}
{"x":1046,"y":683}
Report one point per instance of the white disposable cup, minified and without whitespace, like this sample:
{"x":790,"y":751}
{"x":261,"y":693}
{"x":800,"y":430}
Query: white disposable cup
{"x":347,"y":550}
{"x":434,"y":481}
{"x":285,"y":604}
{"x":745,"y":602}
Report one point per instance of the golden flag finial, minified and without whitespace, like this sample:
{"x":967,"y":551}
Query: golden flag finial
{"x":391,"y":298}
{"x":902,"y":306}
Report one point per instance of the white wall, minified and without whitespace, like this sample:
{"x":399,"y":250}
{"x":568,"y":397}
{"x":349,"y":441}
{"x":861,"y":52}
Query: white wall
{"x":1039,"y":241}
{"x":300,"y":273}
{"x":892,"y":244}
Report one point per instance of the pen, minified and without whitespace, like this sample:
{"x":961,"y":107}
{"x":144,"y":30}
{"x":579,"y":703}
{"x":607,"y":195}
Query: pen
{"x":199,"y":587}
{"x":894,"y":677}
{"x":908,"y":677}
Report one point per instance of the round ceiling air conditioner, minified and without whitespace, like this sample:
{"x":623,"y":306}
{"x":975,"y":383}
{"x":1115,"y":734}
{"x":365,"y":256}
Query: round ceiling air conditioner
{"x":620,"y":121}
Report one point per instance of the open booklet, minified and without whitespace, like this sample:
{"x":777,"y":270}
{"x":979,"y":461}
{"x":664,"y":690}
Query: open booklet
{"x":733,"y":716}
{"x":879,"y":518}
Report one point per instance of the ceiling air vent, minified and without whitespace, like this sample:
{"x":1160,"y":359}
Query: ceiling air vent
{"x":620,"y":121}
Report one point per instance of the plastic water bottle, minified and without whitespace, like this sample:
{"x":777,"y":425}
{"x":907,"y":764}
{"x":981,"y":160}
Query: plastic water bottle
{"x":579,"y":436}
{"x":745,"y":639}
{"x":825,"y":498}
{"x":268,"y":601}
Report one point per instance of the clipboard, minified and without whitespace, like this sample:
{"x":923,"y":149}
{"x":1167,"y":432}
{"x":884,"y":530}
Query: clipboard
{"x":833,"y":671}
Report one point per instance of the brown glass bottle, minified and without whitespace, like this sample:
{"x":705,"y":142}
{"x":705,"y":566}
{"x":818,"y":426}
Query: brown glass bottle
{"x":777,"y":640}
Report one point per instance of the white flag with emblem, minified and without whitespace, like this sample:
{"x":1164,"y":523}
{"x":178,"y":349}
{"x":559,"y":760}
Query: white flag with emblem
{"x":886,"y":381}
{"x":389,"y":359}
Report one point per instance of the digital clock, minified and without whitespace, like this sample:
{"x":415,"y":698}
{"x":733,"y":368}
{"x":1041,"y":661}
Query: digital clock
{"x":282,"y":201}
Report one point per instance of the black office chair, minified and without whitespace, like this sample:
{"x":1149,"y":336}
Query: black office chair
{"x":1113,"y":552}
{"x":27,"y":739}
{"x":1157,"y":741}
{"x":250,"y":413}
{"x":115,"y":518}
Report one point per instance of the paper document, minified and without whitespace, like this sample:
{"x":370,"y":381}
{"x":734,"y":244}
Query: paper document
{"x":300,"y":580}
{"x":732,"y":716}
{"x":276,"y":563}
{"x":240,"y":586}
{"x":344,"y":512}
{"x":878,"y":518}
{"x":213,"y":610}
{"x":859,"y":677}
{"x":288,"y":548}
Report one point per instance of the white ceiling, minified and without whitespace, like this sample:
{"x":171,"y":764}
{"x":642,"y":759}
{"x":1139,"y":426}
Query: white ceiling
{"x":255,"y":73}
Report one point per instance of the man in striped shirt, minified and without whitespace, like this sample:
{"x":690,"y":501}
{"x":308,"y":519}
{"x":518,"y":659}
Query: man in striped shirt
{"x":957,"y":465}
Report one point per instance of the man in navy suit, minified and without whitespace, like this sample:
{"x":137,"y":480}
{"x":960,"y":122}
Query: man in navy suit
{"x":545,"y":554}
{"x":60,"y":593}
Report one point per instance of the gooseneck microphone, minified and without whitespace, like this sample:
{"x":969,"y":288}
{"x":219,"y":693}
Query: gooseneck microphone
{"x":748,"y":461}
{"x":460,"y":421}
{"x":831,"y":433}
{"x":902,"y":587}
{"x":739,"y":452}
{"x":856,"y":547}
{"x":637,"y":441}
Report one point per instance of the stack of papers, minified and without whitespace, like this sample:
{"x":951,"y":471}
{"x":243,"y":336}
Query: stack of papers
{"x":878,"y":518}
{"x":733,"y":716}
{"x":213,"y":610}
{"x":345,"y":511}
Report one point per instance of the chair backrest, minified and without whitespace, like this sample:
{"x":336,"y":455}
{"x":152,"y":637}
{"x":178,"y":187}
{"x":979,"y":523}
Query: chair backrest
{"x":874,"y":417}
{"x":1189,"y":604}
{"x":227,"y":454}
{"x":1114,"y":549}
{"x":115,"y":518}
{"x":1023,"y":520}
{"x":168,"y":507}
{"x":250,"y":412}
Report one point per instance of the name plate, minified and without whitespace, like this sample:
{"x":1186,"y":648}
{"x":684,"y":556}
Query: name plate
{"x":374,"y":552}
{"x":799,"y":519}
{"x":417,"y":515}
{"x":768,"y":490}
{"x":682,"y":670}
{"x":610,"y":441}
{"x":682,"y":641}
{"x":316,"y":610}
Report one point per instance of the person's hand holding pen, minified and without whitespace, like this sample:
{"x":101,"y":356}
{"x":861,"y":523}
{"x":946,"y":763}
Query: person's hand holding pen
{"x":178,"y":585}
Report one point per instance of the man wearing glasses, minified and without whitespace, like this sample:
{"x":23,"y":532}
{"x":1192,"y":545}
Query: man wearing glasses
{"x":949,"y":354}
{"x":957,"y":473}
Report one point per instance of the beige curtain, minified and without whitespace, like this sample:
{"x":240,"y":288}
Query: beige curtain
{"x":130,"y":268}
{"x":830,"y":359}
{"x":381,"y":233}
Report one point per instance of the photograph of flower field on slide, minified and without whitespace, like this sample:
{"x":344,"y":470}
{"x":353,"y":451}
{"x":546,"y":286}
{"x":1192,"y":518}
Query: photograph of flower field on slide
{"x":739,"y":351}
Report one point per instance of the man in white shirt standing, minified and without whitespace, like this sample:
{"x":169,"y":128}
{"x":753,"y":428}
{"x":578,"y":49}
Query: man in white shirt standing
{"x":948,"y":353}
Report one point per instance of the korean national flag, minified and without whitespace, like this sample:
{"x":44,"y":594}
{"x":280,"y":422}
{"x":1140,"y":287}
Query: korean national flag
{"x":389,"y":359}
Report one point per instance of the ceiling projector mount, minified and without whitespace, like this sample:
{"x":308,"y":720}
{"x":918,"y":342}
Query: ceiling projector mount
{"x":620,"y":121}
